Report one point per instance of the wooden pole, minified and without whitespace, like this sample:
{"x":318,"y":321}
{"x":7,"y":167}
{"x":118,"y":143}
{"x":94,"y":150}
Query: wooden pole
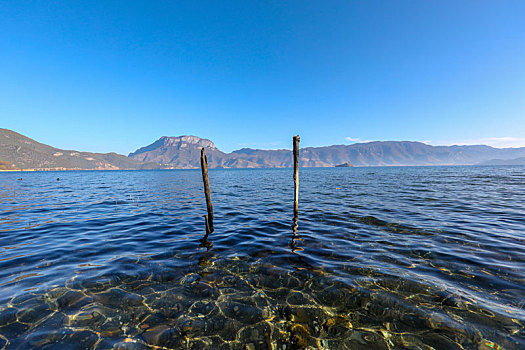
{"x":204,"y":168}
{"x":296,"y":140}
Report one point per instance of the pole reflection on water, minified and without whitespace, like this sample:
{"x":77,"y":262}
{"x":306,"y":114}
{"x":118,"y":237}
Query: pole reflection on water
{"x":295,"y":236}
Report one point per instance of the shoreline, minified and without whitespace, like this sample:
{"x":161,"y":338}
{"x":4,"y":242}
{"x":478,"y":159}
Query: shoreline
{"x":254,"y":168}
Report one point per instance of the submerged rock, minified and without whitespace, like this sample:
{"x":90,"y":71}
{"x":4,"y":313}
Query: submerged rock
{"x":241,"y":312}
{"x":163,"y":335}
{"x":118,"y":297}
{"x":73,"y":299}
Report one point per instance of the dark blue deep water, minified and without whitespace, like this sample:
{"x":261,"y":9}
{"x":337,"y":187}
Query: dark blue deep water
{"x":382,"y":258}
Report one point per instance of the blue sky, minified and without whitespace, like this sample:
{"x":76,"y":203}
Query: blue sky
{"x":116,"y":75}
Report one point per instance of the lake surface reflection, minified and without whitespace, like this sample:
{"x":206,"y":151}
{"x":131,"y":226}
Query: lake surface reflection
{"x":379,"y":258}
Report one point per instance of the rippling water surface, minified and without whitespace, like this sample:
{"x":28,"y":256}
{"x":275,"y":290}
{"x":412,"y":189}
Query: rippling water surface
{"x":382,"y":258}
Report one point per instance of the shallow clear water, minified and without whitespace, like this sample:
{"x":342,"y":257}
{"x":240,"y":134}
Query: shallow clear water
{"x":382,"y":258}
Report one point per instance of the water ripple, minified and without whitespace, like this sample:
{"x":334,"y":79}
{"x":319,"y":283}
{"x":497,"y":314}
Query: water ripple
{"x":380,"y":258}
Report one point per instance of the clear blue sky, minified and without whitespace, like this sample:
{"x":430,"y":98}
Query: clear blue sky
{"x":116,"y":75}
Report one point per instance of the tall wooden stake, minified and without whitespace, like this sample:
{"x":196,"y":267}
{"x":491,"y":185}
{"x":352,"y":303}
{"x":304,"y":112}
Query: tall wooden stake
{"x":204,"y":168}
{"x":296,"y":140}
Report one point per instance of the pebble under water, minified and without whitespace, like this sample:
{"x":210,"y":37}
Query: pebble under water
{"x":379,"y":258}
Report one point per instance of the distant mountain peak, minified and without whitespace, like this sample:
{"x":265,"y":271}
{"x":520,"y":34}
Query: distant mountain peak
{"x":182,"y":150}
{"x":187,"y":139}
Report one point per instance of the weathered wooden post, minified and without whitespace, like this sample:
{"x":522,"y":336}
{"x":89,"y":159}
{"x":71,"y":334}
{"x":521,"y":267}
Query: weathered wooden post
{"x":295,"y":226}
{"x":204,"y":168}
{"x":296,"y":140}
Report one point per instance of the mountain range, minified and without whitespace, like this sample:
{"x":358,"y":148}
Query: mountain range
{"x":20,"y":152}
{"x":183,"y":152}
{"x":515,"y":161}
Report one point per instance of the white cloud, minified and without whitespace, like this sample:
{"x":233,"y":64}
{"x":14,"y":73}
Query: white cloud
{"x":498,"y":142}
{"x":356,"y":139}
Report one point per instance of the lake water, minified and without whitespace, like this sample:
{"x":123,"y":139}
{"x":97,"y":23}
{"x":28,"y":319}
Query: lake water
{"x":381,"y":258}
